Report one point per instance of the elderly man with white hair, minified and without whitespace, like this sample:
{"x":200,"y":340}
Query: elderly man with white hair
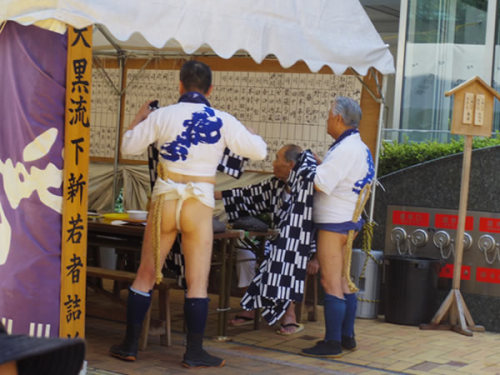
{"x":345,"y":170}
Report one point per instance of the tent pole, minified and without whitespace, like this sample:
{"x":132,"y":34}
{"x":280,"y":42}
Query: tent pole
{"x":379,"y":140}
{"x":109,"y":38}
{"x":121,"y":61}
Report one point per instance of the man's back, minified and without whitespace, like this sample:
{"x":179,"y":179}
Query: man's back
{"x":191,"y":138}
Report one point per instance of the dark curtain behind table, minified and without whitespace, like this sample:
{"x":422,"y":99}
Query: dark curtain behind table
{"x":32,"y":84}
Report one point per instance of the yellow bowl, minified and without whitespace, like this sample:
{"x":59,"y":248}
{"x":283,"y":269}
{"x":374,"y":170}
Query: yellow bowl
{"x":115,"y":216}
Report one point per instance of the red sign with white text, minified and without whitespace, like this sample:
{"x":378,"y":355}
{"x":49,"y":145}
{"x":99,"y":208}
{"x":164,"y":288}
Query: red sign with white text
{"x":443,"y":221}
{"x":418,"y":219}
{"x":490,"y":225}
{"x":488,"y":275}
{"x":447,"y":272}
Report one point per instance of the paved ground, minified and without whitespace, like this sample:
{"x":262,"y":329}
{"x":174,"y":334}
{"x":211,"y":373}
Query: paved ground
{"x":383,"y":348}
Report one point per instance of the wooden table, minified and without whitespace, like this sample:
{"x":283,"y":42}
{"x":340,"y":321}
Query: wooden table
{"x":129,"y":237}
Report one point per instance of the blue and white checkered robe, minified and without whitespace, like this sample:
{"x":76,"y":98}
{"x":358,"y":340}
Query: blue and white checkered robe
{"x":281,"y":276}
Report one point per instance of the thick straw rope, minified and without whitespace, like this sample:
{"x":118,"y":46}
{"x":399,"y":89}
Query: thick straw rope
{"x":367,"y":236}
{"x":366,"y":247}
{"x":360,"y":205}
{"x":157,"y":214}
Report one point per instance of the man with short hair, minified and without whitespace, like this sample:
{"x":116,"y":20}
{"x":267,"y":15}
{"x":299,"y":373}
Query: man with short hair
{"x":191,"y":137}
{"x":345,"y":170}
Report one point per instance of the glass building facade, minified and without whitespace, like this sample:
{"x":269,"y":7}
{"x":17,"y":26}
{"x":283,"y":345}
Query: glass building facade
{"x":443,"y":43}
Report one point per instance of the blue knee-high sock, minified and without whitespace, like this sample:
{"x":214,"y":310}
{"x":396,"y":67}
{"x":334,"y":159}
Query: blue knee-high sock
{"x":334,"y":310}
{"x":137,"y":306}
{"x":195,"y":313}
{"x":351,"y":303}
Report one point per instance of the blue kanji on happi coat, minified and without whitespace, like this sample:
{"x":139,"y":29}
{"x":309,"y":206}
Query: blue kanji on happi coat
{"x":202,"y":127}
{"x":370,"y":174}
{"x":231,"y":163}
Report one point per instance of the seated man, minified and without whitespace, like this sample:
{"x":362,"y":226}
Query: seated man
{"x":279,"y":199}
{"x":245,"y":272}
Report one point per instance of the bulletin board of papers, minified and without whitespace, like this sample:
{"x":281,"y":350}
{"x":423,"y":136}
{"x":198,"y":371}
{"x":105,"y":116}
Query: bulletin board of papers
{"x":104,"y":109}
{"x":281,"y":107}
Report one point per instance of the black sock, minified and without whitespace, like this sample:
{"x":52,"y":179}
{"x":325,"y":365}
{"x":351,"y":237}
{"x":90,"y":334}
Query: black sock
{"x":137,"y":306}
{"x":195,"y":313}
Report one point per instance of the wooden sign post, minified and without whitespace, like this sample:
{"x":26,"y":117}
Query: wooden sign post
{"x":75,"y":183}
{"x":472,"y":115}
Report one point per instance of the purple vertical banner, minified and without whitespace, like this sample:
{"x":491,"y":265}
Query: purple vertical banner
{"x":32,"y":80}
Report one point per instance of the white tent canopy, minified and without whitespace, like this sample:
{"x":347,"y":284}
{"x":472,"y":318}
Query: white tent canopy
{"x":334,"y":33}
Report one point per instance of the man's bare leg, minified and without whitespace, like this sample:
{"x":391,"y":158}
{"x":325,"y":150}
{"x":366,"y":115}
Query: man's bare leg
{"x":139,"y":298}
{"x":245,"y":272}
{"x":197,"y":241}
{"x":243,"y":317}
{"x":289,"y":325}
{"x":330,"y":257}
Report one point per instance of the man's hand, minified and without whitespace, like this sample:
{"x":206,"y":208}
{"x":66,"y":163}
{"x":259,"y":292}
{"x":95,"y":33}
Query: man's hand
{"x":312,"y":266}
{"x":217,"y":195}
{"x":144,"y":112}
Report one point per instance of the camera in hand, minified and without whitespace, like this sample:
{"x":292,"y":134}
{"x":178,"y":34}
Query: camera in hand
{"x":154,"y":105}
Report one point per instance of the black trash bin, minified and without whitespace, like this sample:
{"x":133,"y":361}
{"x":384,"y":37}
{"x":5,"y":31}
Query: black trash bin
{"x":410,"y":289}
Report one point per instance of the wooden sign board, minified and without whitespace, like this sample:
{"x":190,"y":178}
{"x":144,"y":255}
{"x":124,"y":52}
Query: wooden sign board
{"x":75,"y":183}
{"x":472,"y":115}
{"x":473,"y":108}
